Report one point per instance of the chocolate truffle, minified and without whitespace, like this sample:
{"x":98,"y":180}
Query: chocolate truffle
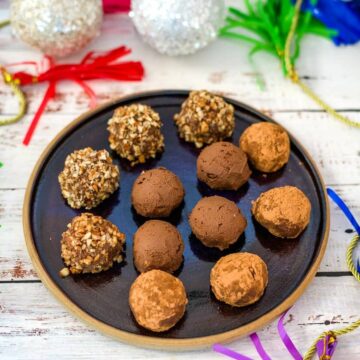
{"x":283,"y":211}
{"x":205,"y":118}
{"x":217,"y":222}
{"x":267,"y":146}
{"x":90,"y":244}
{"x":158,"y":245}
{"x":135,"y":133}
{"x":239,"y":279}
{"x":157,"y":300}
{"x":156,"y":193}
{"x":88,"y":178}
{"x":223,"y":166}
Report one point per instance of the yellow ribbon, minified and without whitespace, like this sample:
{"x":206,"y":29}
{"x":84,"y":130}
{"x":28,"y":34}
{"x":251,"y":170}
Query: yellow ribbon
{"x":8,"y":79}
{"x":334,"y":333}
{"x":295,"y":77}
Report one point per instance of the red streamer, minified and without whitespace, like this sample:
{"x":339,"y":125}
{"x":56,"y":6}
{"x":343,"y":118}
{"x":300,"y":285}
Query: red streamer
{"x":113,"y":6}
{"x":93,"y":66}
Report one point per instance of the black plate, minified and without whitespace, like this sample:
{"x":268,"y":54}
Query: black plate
{"x":104,"y":296}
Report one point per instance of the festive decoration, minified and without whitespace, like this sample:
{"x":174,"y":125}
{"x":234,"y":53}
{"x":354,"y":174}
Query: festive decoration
{"x":113,"y":6}
{"x":344,"y":16}
{"x":56,"y":27}
{"x":324,"y":346}
{"x":279,"y":26}
{"x":270,"y":22}
{"x":9,"y":80}
{"x":177,"y":27}
{"x":92,"y":66}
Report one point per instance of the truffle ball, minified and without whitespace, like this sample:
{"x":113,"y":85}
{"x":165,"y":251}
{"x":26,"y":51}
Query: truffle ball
{"x":223,"y":166}
{"x":90,"y":244}
{"x":239,"y":279}
{"x":135,"y":133}
{"x":157,"y":300}
{"x":217,"y":222}
{"x":283,"y":211}
{"x":156,"y":193}
{"x":205,"y":118}
{"x":158,"y":245}
{"x":88,"y":178}
{"x":267,"y":146}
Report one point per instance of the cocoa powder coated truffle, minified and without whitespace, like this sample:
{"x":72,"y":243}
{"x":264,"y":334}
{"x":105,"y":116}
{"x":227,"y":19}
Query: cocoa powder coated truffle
{"x":135,"y":133}
{"x":217,"y":222}
{"x":205,"y":118}
{"x":157,"y":300}
{"x":239,"y":279}
{"x":88,"y":178}
{"x":267,"y":146}
{"x":223,"y":166}
{"x":283,"y":211}
{"x":90,"y":244}
{"x":156,"y":193}
{"x":158,"y":245}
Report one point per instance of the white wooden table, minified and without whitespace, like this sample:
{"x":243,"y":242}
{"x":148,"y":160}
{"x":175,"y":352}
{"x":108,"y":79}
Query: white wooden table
{"x":34,"y":325}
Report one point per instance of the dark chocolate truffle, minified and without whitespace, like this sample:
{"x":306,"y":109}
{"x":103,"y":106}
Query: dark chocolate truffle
{"x":223,"y":166}
{"x":283,"y":211}
{"x":239,"y":279}
{"x":135,"y":133}
{"x":267,"y":146}
{"x":158,"y":245}
{"x":156,"y":193}
{"x":217,"y":222}
{"x":90,"y":244}
{"x":205,"y":118}
{"x":157,"y":300}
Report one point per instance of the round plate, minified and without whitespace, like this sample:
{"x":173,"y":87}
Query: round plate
{"x":102,"y":299}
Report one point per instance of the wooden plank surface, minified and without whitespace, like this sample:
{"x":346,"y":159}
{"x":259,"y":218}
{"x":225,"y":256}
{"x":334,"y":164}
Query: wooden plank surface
{"x":33,"y":324}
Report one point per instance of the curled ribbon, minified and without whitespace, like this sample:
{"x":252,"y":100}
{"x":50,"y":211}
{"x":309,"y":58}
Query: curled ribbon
{"x":93,"y":66}
{"x":326,"y":346}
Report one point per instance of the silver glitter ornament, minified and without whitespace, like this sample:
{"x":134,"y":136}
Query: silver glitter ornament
{"x":178,"y":27}
{"x":56,"y":27}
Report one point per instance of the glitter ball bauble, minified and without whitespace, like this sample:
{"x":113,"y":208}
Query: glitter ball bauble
{"x":178,"y":27}
{"x":56,"y":27}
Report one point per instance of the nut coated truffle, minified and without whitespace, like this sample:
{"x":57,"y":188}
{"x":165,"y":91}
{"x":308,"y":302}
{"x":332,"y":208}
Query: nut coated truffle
{"x":223,"y":166}
{"x":135,"y":133}
{"x":90,"y":244}
{"x":217,"y":222}
{"x":239,"y":279}
{"x":88,"y":178}
{"x":267,"y":146}
{"x":283,"y":211}
{"x":157,"y":300}
{"x":205,"y":118}
{"x":156,"y":193}
{"x":158,"y":245}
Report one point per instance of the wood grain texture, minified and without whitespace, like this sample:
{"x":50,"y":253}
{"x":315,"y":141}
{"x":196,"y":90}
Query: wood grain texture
{"x":32,"y":322}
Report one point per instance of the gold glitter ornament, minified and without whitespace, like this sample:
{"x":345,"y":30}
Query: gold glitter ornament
{"x":56,"y":27}
{"x":177,"y":27}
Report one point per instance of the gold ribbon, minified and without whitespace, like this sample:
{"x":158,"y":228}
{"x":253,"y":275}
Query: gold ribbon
{"x":8,"y":79}
{"x":295,"y":77}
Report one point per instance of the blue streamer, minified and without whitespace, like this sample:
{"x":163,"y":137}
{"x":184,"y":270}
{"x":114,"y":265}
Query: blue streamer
{"x":341,"y":204}
{"x":340,"y":15}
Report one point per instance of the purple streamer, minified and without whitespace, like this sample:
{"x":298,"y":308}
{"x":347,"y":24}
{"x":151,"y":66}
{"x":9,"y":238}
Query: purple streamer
{"x":286,"y":338}
{"x":258,"y":346}
{"x":326,"y":347}
{"x":230,"y":353}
